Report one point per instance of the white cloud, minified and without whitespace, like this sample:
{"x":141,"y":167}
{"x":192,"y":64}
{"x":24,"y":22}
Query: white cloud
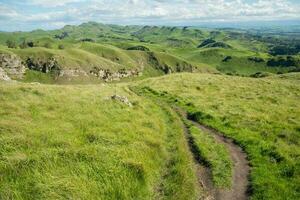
{"x":7,"y":13}
{"x":52,"y":3}
{"x":61,"y":12}
{"x":196,"y":9}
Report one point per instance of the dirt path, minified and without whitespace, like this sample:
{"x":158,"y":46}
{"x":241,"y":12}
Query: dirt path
{"x":241,"y":167}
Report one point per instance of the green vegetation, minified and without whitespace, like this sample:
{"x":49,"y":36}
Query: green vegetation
{"x":261,"y":115}
{"x":60,"y":140}
{"x":215,"y":155}
{"x":211,"y":153}
{"x":156,"y":50}
{"x":74,"y":142}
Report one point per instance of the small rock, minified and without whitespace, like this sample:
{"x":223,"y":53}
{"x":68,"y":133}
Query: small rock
{"x":122,"y":99}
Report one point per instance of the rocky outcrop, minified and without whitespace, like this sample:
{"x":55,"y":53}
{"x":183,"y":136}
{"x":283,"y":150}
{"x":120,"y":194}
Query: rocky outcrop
{"x":72,"y":73}
{"x":43,"y":65}
{"x":122,"y":99}
{"x":12,"y":66}
{"x":108,"y":75}
{"x":3,"y":75}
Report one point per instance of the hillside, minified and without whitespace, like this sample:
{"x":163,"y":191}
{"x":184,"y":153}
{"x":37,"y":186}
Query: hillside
{"x":261,"y":115}
{"x":96,"y":52}
{"x":57,"y":139}
{"x":76,"y":142}
{"x":100,"y":111}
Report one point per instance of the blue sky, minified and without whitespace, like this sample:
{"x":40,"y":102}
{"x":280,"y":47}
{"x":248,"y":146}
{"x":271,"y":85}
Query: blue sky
{"x":52,"y":14}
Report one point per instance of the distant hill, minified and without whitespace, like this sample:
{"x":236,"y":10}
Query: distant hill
{"x":96,"y":52}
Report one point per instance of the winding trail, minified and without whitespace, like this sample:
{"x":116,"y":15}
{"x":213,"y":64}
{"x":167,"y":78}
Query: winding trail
{"x":241,"y":168}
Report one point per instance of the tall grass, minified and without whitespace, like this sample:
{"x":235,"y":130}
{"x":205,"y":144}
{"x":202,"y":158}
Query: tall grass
{"x":74,"y":142}
{"x":261,"y":115}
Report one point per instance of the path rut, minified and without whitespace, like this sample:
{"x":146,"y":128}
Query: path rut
{"x":241,"y":168}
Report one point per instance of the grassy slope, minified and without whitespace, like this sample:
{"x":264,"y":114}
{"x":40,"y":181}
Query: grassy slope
{"x":70,"y":142}
{"x":216,"y":155}
{"x":110,"y":43}
{"x":205,"y":149}
{"x":262,"y":115}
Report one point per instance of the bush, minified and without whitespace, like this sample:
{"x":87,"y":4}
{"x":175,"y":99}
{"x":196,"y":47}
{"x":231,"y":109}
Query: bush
{"x":61,"y":46}
{"x":227,"y":58}
{"x":139,"y":48}
{"x":61,"y":36}
{"x":26,"y":44}
{"x":280,"y":61}
{"x":87,"y":40}
{"x":23,"y":45}
{"x":260,"y":75}
{"x":256,"y":59}
{"x":11,"y":44}
{"x":30,"y":44}
{"x":199,"y":116}
{"x":48,"y":45}
{"x":206,"y":42}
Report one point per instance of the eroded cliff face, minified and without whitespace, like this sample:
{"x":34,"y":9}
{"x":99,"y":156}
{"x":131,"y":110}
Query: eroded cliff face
{"x":43,"y":65}
{"x":11,"y":67}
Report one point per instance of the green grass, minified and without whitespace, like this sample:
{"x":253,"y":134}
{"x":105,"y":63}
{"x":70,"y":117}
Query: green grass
{"x":216,"y":155}
{"x":71,"y":142}
{"x":261,"y":115}
{"x":173,"y":47}
{"x":205,"y":147}
{"x":35,"y":76}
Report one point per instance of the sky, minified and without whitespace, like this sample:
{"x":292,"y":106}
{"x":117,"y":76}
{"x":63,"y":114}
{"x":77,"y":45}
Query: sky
{"x":25,"y":15}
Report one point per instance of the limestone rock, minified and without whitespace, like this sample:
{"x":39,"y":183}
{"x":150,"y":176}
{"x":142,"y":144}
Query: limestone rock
{"x":12,"y":65}
{"x":43,"y":65}
{"x":108,"y":75}
{"x":3,"y":75}
{"x":122,"y":99}
{"x":72,"y":73}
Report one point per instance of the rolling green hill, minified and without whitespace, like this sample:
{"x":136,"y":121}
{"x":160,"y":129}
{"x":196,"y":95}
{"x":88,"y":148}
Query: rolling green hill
{"x":78,"y":142}
{"x":101,"y":111}
{"x":261,"y":115}
{"x":144,"y":51}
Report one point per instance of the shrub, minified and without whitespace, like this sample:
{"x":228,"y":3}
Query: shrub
{"x":199,"y":116}
{"x":23,"y":45}
{"x":30,"y":44}
{"x":260,"y":75}
{"x":61,"y":36}
{"x":227,"y":58}
{"x":26,"y":44}
{"x":48,"y":45}
{"x":61,"y":46}
{"x":139,"y":48}
{"x":11,"y":44}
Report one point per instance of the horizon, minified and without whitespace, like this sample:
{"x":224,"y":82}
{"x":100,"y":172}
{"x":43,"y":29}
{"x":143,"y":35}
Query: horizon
{"x":30,"y":15}
{"x":247,"y":25}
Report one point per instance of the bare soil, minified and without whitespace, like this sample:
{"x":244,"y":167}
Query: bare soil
{"x":241,"y":168}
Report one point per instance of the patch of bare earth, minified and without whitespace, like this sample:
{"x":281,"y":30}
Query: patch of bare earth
{"x":241,"y":168}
